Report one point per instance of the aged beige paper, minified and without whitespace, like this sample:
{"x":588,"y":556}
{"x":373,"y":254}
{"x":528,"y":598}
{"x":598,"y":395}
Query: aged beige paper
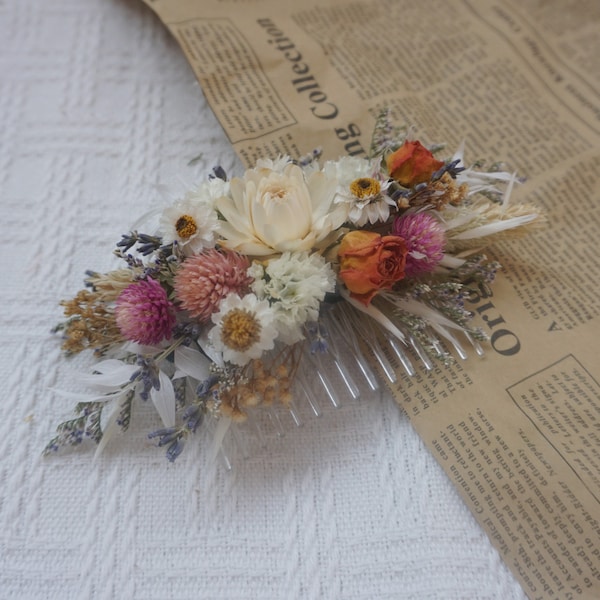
{"x":267,"y":79}
{"x":518,"y":431}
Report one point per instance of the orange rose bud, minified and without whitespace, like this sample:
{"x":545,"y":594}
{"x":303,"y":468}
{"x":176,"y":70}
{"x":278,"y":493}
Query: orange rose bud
{"x":412,"y":163}
{"x":370,"y":262}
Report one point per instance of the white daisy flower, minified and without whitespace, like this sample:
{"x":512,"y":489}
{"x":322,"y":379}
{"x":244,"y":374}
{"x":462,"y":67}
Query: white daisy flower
{"x":192,"y":221}
{"x":363,"y":187}
{"x":244,"y":328}
{"x":295,"y":284}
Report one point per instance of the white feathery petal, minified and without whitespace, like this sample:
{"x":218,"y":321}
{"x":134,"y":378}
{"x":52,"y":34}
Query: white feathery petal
{"x":164,"y":400}
{"x":458,"y":221}
{"x":484,"y":176}
{"x":135,"y":348}
{"x":375,"y":313}
{"x":109,"y":429}
{"x":508,"y":191}
{"x":110,"y":365}
{"x":192,"y":363}
{"x":111,"y":374}
{"x":479,"y":181}
{"x":495,"y":227}
{"x":451,"y":262}
{"x":213,"y":354}
{"x":86,"y":398}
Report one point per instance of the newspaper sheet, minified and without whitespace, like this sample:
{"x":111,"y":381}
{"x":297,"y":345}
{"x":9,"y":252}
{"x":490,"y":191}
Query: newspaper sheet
{"x":518,"y":432}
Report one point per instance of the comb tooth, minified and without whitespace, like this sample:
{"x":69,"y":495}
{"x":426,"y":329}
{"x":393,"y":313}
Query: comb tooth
{"x":420,"y":352}
{"x":476,"y":345}
{"x":400,"y":355}
{"x":323,"y":379}
{"x":347,"y":379}
{"x":312,"y":401}
{"x":329,"y":389}
{"x":293,"y":410}
{"x":367,"y":372}
{"x":276,"y":422}
{"x":459,"y":349}
{"x":339,"y":324}
{"x":225,"y":460}
{"x":384,"y":363}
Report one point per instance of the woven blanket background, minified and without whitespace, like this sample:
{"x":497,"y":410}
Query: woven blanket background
{"x":98,"y":107}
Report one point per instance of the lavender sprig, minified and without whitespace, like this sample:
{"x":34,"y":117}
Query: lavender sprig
{"x":73,"y":431}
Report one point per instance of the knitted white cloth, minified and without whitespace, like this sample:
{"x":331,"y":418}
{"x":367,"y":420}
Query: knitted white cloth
{"x":97,"y":108}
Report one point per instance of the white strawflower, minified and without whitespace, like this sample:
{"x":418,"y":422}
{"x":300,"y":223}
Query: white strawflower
{"x":274,"y":210}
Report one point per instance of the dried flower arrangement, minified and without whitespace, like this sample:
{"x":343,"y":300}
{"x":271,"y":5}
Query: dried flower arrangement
{"x":250,"y":282}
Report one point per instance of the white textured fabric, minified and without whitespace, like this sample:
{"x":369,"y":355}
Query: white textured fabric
{"x":97,"y":107}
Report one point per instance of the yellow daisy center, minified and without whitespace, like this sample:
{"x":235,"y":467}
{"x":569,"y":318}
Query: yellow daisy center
{"x":365,"y":187}
{"x":240,"y":329}
{"x":186,"y":227}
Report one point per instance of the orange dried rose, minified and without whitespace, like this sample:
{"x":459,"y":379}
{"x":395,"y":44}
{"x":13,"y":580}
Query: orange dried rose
{"x":412,"y":163}
{"x":370,"y":262}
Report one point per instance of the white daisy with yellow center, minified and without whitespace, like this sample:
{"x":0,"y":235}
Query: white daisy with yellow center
{"x":362,"y":188}
{"x":192,"y":221}
{"x":244,"y":328}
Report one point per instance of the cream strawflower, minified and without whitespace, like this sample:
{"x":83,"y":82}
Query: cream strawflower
{"x":192,"y":221}
{"x":295,"y":284}
{"x":278,"y":165}
{"x":244,"y":328}
{"x":271,"y":211}
{"x":362,"y":187}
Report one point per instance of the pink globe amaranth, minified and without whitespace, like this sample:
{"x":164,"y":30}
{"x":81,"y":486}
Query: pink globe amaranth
{"x":144,"y":313}
{"x":205,"y":279}
{"x":425,"y":241}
